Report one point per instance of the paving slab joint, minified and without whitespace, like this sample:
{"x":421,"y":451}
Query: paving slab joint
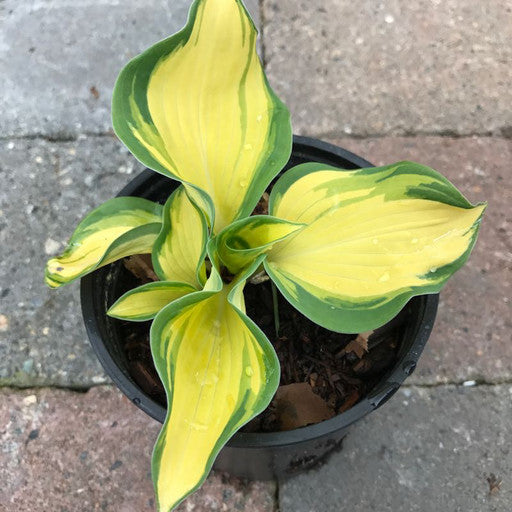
{"x":504,"y":132}
{"x":12,"y":386}
{"x":460,"y":383}
{"x":77,"y":388}
{"x":261,"y":5}
{"x":277,"y":506}
{"x":57,"y":137}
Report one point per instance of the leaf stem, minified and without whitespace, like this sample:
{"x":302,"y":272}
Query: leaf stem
{"x":276,"y":308}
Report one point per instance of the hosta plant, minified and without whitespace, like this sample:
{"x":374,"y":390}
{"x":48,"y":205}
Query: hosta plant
{"x":346,"y":248}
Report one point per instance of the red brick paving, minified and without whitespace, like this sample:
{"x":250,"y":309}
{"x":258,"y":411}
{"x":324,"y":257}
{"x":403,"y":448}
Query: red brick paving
{"x":82,"y":452}
{"x":472,"y":334}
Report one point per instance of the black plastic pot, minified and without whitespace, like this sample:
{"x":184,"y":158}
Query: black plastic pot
{"x":266,"y":455}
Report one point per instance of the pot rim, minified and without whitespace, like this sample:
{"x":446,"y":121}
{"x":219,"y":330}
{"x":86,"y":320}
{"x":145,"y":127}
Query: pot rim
{"x":404,"y":366}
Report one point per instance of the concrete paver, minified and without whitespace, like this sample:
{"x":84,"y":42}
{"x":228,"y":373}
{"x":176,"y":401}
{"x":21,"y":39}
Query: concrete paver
{"x":47,"y":189}
{"x":471,"y":336}
{"x":426,"y":450}
{"x":84,"y":452}
{"x":45,"y":343}
{"x":392,"y":67}
{"x":59,"y":59}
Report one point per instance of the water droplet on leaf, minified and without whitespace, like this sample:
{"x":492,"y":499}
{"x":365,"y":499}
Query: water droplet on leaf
{"x":384,"y":277}
{"x":198,"y":426}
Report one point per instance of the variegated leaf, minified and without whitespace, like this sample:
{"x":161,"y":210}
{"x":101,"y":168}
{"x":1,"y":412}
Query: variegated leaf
{"x":119,"y":227}
{"x":197,"y":107}
{"x":375,"y":237}
{"x":242,"y":242}
{"x":144,"y":302}
{"x":179,"y":252}
{"x":222,"y":371}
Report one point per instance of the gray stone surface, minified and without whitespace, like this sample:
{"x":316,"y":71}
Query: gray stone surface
{"x":427,"y":450}
{"x":64,"y":451}
{"x":59,"y":59}
{"x":42,"y":341}
{"x":392,"y":67}
{"x":471,"y":336}
{"x":47,"y":188}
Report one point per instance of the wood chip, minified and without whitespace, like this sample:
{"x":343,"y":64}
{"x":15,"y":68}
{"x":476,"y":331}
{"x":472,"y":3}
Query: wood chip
{"x":141,"y":267}
{"x":262,"y":206}
{"x":351,"y":400}
{"x":296,"y":405}
{"x":359,"y":346}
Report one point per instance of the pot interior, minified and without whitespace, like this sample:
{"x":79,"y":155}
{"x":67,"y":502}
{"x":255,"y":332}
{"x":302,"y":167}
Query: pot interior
{"x":107,"y":335}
